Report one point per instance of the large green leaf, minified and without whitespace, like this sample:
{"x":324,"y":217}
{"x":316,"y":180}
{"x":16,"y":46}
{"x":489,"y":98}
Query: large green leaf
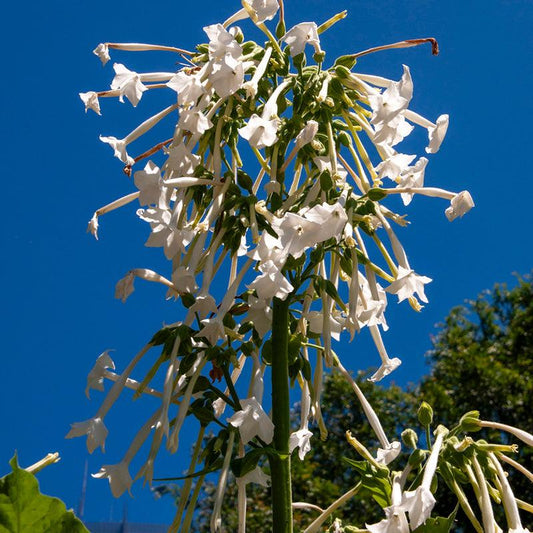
{"x":23,"y":509}
{"x":438,"y":524}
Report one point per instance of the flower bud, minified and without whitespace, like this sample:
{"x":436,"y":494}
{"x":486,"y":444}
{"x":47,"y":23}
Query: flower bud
{"x":469,"y":424}
{"x":416,"y":458}
{"x":409,"y":438}
{"x":425,"y":414}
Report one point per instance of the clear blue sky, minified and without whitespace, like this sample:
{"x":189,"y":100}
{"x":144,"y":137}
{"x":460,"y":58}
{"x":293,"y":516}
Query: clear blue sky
{"x":58,"y":283}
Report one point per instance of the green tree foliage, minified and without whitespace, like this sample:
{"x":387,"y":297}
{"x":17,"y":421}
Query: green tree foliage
{"x":482,"y":358}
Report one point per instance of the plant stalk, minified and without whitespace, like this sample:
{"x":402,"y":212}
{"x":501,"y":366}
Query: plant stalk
{"x":280,"y":463}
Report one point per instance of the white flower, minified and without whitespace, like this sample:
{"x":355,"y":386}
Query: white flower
{"x":125,"y":287}
{"x":251,"y":86}
{"x":222,"y":42}
{"x":119,"y":148}
{"x":331,"y":219}
{"x":119,"y":478}
{"x":392,"y":132}
{"x":260,"y":132}
{"x":204,"y":305}
{"x":195,"y":121}
{"x":307,"y":134}
{"x":213,"y":330}
{"x":408,"y":283}
{"x":269,"y":249}
{"x":128,"y":83}
{"x":255,"y":476}
{"x":95,"y":378}
{"x":300,"y":35}
{"x":388,"y":454}
{"x":90,"y":100}
{"x":260,"y":313}
{"x":394,"y":166}
{"x":395,"y":521}
{"x":271,"y":283}
{"x":183,"y":279}
{"x":385,"y":369}
{"x":92,"y":227}
{"x":188,"y":86}
{"x":151,"y":186}
{"x":95,"y":430}
{"x":227,"y":76}
{"x":461,"y":203}
{"x":181,"y":161}
{"x":437,"y":134}
{"x":263,"y":10}
{"x":296,"y":233}
{"x":387,"y":105}
{"x":316,"y":323}
{"x":412,"y":177}
{"x":300,"y":439}
{"x":252,"y":421}
{"x":102,"y":51}
{"x":418,"y":503}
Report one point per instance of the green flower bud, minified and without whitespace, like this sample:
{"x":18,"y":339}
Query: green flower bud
{"x":342,"y":72}
{"x":425,"y":414}
{"x":417,"y":458}
{"x":410,"y":438}
{"x":469,"y":424}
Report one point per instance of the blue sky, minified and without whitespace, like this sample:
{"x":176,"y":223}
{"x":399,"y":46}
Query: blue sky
{"x":58,"y":282}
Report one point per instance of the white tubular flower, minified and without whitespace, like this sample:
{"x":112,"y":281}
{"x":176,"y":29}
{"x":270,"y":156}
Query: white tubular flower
{"x":412,"y":177}
{"x":388,"y":454}
{"x":300,"y":439}
{"x":260,"y":313}
{"x":261,"y":10}
{"x":102,"y":52}
{"x":181,"y":161}
{"x":128,"y":83}
{"x":331,"y":219}
{"x":222,"y":42}
{"x":300,"y":35}
{"x":125,"y":287}
{"x":255,"y":476}
{"x":392,"y":132}
{"x":524,"y":436}
{"x":204,"y":305}
{"x":394,"y":166}
{"x":296,"y":233}
{"x":316,"y":323}
{"x":260,"y":132}
{"x":95,"y":430}
{"x":119,"y":478}
{"x":90,"y":100}
{"x":188,"y":86}
{"x":307,"y":134}
{"x":92,"y":227}
{"x":408,"y":283}
{"x":195,"y":121}
{"x":420,"y":502}
{"x":119,"y":149}
{"x":269,"y":249}
{"x":151,"y":186}
{"x":252,"y":421}
{"x":251,"y":86}
{"x":183,"y":280}
{"x":213,"y":330}
{"x":271,"y":283}
{"x":227,"y":76}
{"x":388,"y":364}
{"x":395,"y":521}
{"x":437,"y":134}
{"x":395,"y":99}
{"x":95,"y":378}
{"x":461,"y":203}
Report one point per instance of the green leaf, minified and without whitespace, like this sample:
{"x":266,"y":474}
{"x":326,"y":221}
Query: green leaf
{"x":438,"y":524}
{"x":23,"y":509}
{"x":242,"y":465}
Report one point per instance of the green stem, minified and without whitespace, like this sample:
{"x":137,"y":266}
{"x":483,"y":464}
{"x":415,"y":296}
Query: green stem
{"x":280,"y":462}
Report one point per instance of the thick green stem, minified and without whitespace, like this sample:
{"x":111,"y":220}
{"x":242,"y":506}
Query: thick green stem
{"x":280,"y":464}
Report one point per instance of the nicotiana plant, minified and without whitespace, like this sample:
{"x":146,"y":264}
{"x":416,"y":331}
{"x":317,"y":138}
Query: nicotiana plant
{"x":270,"y":188}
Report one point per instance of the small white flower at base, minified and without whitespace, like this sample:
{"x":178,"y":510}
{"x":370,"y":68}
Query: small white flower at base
{"x":260,"y":314}
{"x":418,"y":503}
{"x":188,"y":86}
{"x":307,"y":134}
{"x":90,"y":100}
{"x":461,"y":203}
{"x":92,"y":227}
{"x":271,"y":283}
{"x":395,"y":521}
{"x":95,"y":378}
{"x":95,"y":430}
{"x":195,"y":121}
{"x":148,"y":181}
{"x":300,"y":439}
{"x":412,"y":177}
{"x":300,"y":35}
{"x":227,"y":76}
{"x":119,"y":147}
{"x":394,"y":166}
{"x":252,"y":421}
{"x":437,"y":134}
{"x":119,"y":478}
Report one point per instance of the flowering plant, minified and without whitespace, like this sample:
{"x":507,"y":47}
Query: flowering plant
{"x":279,"y":167}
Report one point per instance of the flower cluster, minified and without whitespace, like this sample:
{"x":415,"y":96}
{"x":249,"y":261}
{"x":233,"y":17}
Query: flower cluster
{"x":296,"y":229}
